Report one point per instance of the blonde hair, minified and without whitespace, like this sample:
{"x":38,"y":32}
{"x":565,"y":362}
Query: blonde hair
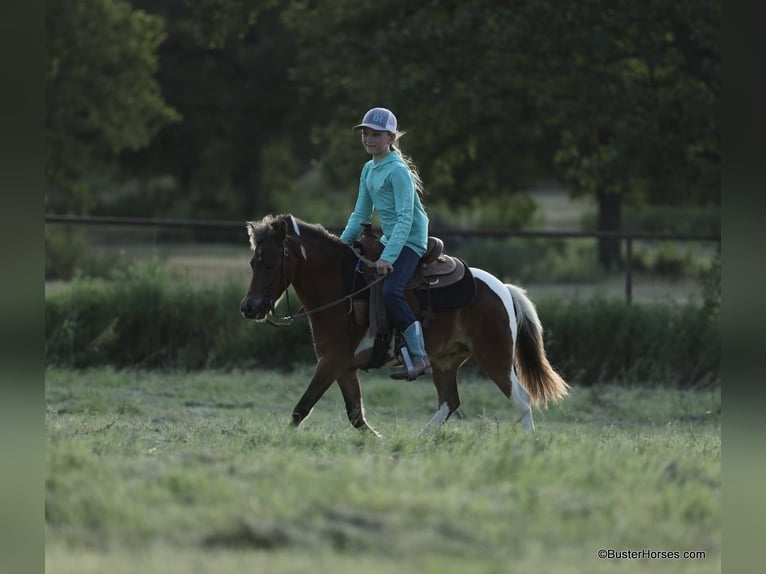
{"x":411,"y":167}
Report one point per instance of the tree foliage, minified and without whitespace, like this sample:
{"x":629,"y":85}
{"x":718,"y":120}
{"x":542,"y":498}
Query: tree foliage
{"x":102,"y":96}
{"x":618,"y":99}
{"x":633,"y":90}
{"x":626,"y":92}
{"x":456,"y":73}
{"x":225,"y":69}
{"x":218,"y":24}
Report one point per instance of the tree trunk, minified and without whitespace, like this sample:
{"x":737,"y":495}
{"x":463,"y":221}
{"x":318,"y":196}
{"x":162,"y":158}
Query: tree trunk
{"x":609,"y":219}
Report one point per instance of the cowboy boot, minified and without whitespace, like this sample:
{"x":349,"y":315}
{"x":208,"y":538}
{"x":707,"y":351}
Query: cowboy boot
{"x":420,"y":365}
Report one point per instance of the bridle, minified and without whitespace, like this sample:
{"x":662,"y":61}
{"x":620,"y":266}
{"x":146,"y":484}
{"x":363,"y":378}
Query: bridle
{"x":288,"y":319}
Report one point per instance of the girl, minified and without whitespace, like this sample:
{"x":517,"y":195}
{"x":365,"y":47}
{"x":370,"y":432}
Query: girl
{"x":390,"y":185}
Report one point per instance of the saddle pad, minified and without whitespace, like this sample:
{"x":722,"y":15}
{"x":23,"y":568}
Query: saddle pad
{"x":456,"y":295}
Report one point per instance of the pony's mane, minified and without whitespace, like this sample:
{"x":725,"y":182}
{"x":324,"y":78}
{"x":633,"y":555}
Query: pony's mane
{"x":258,"y":230}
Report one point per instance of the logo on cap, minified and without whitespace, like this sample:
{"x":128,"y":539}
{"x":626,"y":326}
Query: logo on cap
{"x":378,"y":119}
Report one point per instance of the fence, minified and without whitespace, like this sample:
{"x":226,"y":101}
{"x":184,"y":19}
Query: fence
{"x":627,"y":236}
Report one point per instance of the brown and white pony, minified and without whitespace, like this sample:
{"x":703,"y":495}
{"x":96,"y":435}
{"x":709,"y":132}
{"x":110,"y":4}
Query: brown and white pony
{"x":500,"y":329}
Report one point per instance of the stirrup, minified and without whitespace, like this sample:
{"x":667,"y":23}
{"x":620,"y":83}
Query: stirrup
{"x":412,"y":368}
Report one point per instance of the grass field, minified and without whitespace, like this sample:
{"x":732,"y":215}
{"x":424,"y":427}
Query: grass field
{"x":198,"y":472}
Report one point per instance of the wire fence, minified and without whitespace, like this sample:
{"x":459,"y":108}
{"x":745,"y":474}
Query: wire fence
{"x":627,"y":237}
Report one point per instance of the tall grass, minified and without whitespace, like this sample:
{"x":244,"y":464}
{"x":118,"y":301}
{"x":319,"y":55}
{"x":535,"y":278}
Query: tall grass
{"x":144,"y":317}
{"x":598,"y":340}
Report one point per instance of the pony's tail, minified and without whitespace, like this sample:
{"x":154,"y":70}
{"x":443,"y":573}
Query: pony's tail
{"x":538,"y":377}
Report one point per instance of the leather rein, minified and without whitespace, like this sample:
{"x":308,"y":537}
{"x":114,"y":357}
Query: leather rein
{"x":288,"y":319}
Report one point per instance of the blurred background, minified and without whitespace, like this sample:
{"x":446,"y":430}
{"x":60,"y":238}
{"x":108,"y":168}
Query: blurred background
{"x":571,"y":148}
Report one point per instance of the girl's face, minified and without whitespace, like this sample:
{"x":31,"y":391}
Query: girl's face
{"x":377,"y":144}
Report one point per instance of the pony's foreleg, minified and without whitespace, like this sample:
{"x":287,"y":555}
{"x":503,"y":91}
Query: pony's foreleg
{"x":445,"y":381}
{"x":324,"y":375}
{"x":520,"y":397}
{"x":352,"y":396}
{"x":437,"y":420}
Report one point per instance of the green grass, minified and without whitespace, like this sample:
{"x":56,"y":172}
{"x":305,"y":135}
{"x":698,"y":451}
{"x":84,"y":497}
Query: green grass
{"x":199,"y":472}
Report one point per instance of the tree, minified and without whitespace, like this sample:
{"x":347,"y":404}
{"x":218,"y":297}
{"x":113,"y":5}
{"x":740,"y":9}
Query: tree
{"x":455,"y":72}
{"x":102,"y":96}
{"x":225,"y":68}
{"x":634,"y":91}
{"x":620,"y":98}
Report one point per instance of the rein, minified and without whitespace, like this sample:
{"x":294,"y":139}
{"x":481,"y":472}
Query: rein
{"x":287,"y":320}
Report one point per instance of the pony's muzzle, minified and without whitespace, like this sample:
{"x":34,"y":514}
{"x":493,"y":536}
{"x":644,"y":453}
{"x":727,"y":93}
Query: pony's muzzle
{"x":256,"y":308}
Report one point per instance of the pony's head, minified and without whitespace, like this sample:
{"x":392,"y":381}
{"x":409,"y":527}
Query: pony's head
{"x":276,"y":246}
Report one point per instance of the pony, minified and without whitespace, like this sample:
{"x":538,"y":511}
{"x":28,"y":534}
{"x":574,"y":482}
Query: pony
{"x":499,"y":328}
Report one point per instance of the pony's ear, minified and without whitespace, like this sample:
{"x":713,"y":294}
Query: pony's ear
{"x":279,"y":228}
{"x":251,"y":234}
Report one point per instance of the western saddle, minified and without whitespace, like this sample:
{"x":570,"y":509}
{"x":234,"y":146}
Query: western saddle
{"x":436,"y":269}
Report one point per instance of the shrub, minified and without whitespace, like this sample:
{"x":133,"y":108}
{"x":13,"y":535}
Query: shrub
{"x":68,"y":253}
{"x":670,"y":260}
{"x":524,"y":260}
{"x":610,"y":340}
{"x":673,"y":219}
{"x":142,"y":317}
{"x":505,"y":211}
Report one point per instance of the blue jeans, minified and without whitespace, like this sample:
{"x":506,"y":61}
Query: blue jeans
{"x":393,"y":289}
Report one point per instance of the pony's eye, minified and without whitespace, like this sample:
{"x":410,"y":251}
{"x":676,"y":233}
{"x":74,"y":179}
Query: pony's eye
{"x":267,"y":262}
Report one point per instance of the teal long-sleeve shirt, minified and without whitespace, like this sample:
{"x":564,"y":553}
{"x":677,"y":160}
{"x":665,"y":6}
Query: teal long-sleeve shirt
{"x":387,"y":188}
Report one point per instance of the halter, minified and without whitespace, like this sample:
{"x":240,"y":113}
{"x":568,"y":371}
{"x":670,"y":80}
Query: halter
{"x":288,"y":319}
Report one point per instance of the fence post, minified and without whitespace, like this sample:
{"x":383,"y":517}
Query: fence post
{"x":629,"y":269}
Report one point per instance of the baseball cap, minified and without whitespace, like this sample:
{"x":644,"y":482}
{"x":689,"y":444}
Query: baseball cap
{"x":379,"y":119}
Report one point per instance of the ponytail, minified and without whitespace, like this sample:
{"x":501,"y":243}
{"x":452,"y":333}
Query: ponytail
{"x":411,"y":167}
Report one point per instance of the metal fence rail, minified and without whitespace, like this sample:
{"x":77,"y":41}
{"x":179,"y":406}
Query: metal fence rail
{"x":627,"y":236}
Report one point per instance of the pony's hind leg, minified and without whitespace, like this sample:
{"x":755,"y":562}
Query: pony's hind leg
{"x":504,"y":376}
{"x":520,"y":398}
{"x":492,"y":343}
{"x":448,"y":398}
{"x":497,"y":364}
{"x":352,"y":396}
{"x":510,"y":385}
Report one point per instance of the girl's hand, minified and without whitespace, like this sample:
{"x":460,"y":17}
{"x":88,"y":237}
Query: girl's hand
{"x":383,"y":267}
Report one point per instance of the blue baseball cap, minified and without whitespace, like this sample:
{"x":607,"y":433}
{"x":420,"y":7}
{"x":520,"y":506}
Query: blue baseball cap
{"x":379,"y":119}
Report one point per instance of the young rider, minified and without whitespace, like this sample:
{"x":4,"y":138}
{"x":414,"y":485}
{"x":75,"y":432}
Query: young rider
{"x":390,"y":185}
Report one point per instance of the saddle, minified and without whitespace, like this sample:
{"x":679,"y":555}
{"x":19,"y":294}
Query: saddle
{"x":439,"y":282}
{"x":436,"y":269}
